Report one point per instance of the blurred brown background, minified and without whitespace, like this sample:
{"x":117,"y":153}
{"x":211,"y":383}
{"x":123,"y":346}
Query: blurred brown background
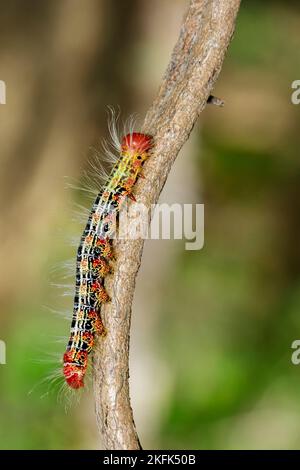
{"x":212,"y":330}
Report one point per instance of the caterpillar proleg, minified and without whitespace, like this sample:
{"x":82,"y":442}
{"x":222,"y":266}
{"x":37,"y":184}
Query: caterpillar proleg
{"x":95,"y":254}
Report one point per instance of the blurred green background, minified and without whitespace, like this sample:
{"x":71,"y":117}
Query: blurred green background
{"x":212,"y":329}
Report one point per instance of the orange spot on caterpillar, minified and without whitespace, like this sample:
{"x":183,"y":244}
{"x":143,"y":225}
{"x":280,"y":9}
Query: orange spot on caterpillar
{"x":84,"y":265}
{"x":83,"y":289}
{"x":89,"y":240}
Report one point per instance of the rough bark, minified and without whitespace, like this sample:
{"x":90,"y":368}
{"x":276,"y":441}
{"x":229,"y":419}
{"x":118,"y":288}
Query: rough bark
{"x":194,"y":67}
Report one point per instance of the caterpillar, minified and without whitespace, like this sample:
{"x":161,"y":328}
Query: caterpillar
{"x":95,"y":255}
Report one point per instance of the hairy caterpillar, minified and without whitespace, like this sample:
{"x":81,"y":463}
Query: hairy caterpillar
{"x":95,"y":254}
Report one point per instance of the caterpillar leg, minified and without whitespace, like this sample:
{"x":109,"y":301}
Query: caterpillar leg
{"x":101,"y":296}
{"x":131,"y":196}
{"x":96,"y":322}
{"x":101,"y":267}
{"x":99,"y":327}
{"x":105,"y":248}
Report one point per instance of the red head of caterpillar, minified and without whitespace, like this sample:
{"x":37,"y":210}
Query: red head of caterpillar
{"x":95,"y":254}
{"x":136,"y":143}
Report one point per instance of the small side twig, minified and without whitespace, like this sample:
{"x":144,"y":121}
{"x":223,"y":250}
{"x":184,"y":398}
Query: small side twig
{"x":186,"y":86}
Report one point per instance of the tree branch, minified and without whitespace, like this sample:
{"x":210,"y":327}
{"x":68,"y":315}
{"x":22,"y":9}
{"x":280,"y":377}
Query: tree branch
{"x":194,"y":67}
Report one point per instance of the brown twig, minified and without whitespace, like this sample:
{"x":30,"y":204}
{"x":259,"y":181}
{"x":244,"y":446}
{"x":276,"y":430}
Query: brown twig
{"x":186,"y":86}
